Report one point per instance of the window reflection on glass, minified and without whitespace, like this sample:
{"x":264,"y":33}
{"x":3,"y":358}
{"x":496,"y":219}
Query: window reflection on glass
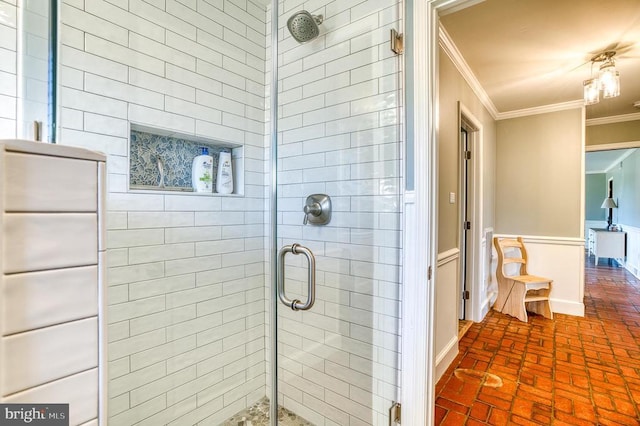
{"x":36,"y":70}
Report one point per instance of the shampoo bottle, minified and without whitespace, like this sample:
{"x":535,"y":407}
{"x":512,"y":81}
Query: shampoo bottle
{"x":202,"y":172}
{"x":224,"y":182}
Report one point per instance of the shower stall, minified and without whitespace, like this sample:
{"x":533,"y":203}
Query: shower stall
{"x":278,"y":303}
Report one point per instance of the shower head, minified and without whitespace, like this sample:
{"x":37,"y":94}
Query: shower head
{"x":303,"y":26}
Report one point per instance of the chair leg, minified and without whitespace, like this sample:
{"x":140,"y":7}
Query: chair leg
{"x":514,"y":305}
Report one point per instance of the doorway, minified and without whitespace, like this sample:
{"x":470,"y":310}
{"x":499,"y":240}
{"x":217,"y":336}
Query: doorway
{"x":470,"y":218}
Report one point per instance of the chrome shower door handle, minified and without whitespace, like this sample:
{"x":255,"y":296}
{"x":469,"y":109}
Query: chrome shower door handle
{"x":296,"y":304}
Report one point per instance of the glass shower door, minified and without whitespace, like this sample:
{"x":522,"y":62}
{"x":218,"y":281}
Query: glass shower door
{"x":339,"y":137}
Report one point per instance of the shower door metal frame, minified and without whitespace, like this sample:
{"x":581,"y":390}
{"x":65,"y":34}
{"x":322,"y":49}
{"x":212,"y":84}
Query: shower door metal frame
{"x":273,"y":217}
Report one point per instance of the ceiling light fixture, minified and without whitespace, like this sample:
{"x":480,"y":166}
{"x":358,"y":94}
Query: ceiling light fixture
{"x":608,"y":79}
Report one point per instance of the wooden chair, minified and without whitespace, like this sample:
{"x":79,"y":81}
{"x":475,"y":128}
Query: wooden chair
{"x":519,"y":291}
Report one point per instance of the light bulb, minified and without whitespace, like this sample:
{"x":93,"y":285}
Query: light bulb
{"x":591,"y":91}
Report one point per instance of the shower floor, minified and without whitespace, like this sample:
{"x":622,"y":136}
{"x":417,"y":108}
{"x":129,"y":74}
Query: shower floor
{"x":258,"y":415}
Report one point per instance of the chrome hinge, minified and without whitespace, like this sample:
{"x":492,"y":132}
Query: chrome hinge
{"x":467,"y":155}
{"x":429,"y":272}
{"x":395,"y":414}
{"x":467,"y":225}
{"x":465,"y":295}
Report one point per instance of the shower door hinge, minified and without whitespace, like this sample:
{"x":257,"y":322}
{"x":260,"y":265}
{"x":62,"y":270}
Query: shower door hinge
{"x":397,"y":42}
{"x":465,"y":295}
{"x":467,"y":225}
{"x":395,"y":414}
{"x":429,"y":272}
{"x":467,"y":155}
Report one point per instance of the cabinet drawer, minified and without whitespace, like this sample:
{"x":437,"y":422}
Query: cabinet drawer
{"x":40,"y":356}
{"x":39,"y":299}
{"x":37,"y":241}
{"x":41,"y":183}
{"x":80,"y":391}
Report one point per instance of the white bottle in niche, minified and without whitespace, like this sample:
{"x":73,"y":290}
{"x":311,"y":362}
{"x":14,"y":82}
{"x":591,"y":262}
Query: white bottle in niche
{"x":202,"y":171}
{"x":224,"y":182}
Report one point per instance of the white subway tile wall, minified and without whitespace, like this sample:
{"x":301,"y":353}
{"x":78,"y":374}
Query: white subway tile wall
{"x":186,"y":272}
{"x":340,"y":135}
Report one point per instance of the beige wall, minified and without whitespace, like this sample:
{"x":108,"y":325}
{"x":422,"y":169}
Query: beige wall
{"x":453,"y":89}
{"x":538,"y":179}
{"x":627,"y":131}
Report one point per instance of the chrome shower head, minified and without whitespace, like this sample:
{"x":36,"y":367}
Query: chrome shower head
{"x":303,"y":26}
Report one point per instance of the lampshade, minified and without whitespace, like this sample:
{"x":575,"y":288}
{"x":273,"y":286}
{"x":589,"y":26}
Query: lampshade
{"x":608,"y":203}
{"x":591,"y":91}
{"x":611,"y":87}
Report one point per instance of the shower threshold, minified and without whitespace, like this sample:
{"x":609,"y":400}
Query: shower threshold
{"x":258,"y":415}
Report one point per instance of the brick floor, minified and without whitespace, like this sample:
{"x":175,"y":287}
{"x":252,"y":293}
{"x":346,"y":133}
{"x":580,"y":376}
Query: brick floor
{"x":566,"y":371}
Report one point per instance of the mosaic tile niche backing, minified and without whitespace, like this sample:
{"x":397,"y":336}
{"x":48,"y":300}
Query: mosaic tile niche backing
{"x":149,"y":153}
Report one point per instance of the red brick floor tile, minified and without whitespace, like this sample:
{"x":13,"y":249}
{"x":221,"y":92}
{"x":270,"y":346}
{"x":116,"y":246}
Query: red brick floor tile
{"x":454,"y":419}
{"x":480,"y":411}
{"x":570,"y":371}
{"x":499,"y":417}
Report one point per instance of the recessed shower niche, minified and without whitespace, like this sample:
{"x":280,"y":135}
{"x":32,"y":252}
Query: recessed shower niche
{"x":161,"y":160}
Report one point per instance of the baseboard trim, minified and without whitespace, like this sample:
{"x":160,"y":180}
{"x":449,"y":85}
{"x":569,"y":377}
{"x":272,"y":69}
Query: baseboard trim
{"x":567,"y":307}
{"x":446,"y":357}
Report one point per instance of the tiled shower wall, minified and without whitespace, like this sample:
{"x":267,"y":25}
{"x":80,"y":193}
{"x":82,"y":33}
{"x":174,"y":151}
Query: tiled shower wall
{"x":8,"y":68}
{"x":340,"y":135}
{"x":185,"y":272}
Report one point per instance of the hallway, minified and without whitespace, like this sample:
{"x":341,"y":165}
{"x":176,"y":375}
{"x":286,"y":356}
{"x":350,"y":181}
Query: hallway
{"x":570,"y":371}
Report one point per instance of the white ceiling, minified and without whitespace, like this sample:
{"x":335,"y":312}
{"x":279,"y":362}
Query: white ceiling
{"x":604,"y":161}
{"x":532,"y":53}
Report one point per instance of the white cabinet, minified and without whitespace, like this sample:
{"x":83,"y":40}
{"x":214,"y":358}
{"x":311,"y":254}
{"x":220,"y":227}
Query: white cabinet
{"x":603,"y":243}
{"x":52,"y":325}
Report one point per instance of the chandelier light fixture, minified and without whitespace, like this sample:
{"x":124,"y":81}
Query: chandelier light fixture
{"x":607,"y":81}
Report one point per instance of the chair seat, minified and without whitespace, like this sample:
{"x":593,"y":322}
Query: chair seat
{"x":531,"y":280}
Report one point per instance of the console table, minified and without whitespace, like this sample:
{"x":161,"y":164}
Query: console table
{"x":603,"y":243}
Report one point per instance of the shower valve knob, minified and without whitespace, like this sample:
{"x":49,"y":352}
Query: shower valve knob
{"x":314,"y":209}
{"x":317,"y":209}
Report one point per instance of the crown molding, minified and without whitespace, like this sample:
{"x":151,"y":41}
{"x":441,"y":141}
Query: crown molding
{"x":610,"y":146}
{"x":455,"y":6}
{"x":461,"y":65}
{"x":540,"y":110}
{"x":613,"y":119}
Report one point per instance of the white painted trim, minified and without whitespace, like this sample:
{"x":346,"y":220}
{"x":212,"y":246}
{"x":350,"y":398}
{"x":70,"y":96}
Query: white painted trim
{"x":610,"y":146}
{"x":541,"y":109}
{"x":475,"y":197}
{"x":567,"y":307}
{"x":461,"y":65}
{"x":583,"y":176}
{"x":541,"y":239}
{"x":457,"y":6}
{"x":632,"y":261}
{"x":417,"y":392}
{"x":613,"y":119}
{"x":446,"y":357}
{"x":448,"y":256}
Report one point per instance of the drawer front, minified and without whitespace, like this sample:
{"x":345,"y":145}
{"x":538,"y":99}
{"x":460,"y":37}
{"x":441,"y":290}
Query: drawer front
{"x":38,"y":183}
{"x":38,"y":241}
{"x":39,"y":299}
{"x":80,"y":391}
{"x":37,"y":357}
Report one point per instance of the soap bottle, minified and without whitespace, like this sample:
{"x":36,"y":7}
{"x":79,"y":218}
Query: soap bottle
{"x":224,"y":182}
{"x":202,"y":171}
